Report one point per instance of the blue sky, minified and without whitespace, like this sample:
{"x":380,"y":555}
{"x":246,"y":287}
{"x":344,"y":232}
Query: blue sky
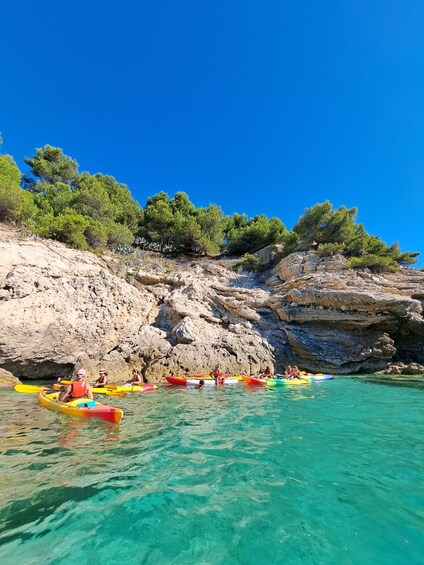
{"x":259,"y":106}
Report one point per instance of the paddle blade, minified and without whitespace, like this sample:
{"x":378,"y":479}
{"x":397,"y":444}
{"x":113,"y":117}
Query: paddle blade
{"x":28,"y":389}
{"x":115,"y":393}
{"x":111,"y":387}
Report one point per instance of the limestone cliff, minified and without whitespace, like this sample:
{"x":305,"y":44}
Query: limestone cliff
{"x":62,"y":308}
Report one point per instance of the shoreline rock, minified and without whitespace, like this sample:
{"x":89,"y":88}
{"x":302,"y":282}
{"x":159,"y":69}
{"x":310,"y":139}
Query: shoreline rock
{"x":403,"y":369}
{"x":63,"y":309}
{"x":7,"y":380}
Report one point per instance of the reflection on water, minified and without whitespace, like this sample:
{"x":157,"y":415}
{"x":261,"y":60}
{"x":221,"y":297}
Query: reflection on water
{"x":326,"y":473}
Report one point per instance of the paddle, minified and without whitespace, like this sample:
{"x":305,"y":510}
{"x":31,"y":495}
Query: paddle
{"x":115,"y":393}
{"x":29,"y":389}
{"x":114,"y":387}
{"x":32,"y":389}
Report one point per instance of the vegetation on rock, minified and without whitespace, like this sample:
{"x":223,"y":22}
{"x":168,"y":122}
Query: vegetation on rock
{"x":249,"y":262}
{"x":96,"y":212}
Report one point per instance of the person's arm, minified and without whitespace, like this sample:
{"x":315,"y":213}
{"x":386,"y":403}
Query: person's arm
{"x":64,"y":393}
{"x":89,"y":392}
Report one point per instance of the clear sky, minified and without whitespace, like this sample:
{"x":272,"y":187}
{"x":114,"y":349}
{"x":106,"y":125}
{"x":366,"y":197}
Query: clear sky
{"x":259,"y":106}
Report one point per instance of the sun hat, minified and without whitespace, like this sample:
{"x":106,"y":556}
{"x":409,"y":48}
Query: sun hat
{"x":102,"y":371}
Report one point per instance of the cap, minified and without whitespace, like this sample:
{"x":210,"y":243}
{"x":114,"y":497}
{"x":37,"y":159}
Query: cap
{"x":81,"y":373}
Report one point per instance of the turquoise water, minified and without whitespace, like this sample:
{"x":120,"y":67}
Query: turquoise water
{"x":327,"y":473}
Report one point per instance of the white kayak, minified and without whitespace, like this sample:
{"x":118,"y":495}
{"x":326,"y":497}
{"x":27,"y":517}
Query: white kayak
{"x":211,"y":382}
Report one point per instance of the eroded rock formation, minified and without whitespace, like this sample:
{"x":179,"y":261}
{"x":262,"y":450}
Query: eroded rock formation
{"x":62,"y":308}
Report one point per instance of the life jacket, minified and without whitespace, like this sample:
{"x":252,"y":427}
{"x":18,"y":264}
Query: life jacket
{"x":136,"y":379}
{"x":221,"y":381}
{"x":102,"y":381}
{"x":217,"y":373}
{"x":79,"y":389}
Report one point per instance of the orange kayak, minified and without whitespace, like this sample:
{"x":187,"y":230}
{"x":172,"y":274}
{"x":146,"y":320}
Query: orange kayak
{"x":254,"y":380}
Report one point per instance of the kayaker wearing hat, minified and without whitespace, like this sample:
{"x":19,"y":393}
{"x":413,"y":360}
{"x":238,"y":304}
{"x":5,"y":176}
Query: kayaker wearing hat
{"x":78,"y":389}
{"x":102,"y":380}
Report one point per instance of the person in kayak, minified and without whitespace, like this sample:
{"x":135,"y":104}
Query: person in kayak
{"x":267,"y":374}
{"x":102,"y":380}
{"x":288,"y":372}
{"x":295,"y":373}
{"x":200,"y":384}
{"x":78,"y":389}
{"x":216,"y":373}
{"x":135,"y":378}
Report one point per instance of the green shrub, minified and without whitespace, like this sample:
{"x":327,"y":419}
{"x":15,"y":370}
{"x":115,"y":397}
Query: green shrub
{"x":96,"y":235}
{"x":375,"y":263}
{"x":329,"y":249}
{"x":118,"y":236}
{"x":69,"y":228}
{"x":11,"y":194}
{"x":249,"y":263}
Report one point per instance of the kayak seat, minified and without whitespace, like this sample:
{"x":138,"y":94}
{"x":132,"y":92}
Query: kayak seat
{"x":86,"y":404}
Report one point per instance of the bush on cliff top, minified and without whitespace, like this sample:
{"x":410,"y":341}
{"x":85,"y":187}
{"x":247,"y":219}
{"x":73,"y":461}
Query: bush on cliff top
{"x":96,"y":211}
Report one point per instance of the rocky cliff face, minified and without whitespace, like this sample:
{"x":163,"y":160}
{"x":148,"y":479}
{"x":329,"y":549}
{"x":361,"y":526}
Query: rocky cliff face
{"x":62,"y":308}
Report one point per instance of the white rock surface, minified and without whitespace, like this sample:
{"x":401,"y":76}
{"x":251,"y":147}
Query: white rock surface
{"x":62,"y":309}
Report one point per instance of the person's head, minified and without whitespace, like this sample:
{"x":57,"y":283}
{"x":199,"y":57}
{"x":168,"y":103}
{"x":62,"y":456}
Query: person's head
{"x":134,"y":371}
{"x":102,"y":373}
{"x":201,"y":382}
{"x":216,"y":366}
{"x":80,"y":374}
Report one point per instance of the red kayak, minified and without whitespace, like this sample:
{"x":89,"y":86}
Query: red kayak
{"x":176,"y":380}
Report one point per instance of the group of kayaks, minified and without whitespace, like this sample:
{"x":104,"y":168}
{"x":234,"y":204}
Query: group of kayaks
{"x":86,"y":408}
{"x":278,"y":380}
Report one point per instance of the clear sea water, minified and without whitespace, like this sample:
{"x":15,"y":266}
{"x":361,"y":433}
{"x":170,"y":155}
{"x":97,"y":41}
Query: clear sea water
{"x":327,"y":473}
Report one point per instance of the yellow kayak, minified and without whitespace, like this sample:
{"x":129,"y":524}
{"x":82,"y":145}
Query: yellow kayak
{"x":127,"y":388}
{"x":81,"y":407}
{"x":287,"y":382}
